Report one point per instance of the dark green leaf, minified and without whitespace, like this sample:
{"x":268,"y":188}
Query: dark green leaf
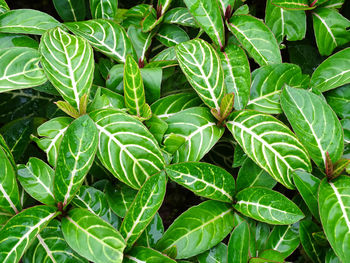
{"x":153,"y":232}
{"x":70,"y":10}
{"x":238,"y":246}
{"x":312,"y":249}
{"x":103,"y":8}
{"x":214,"y":255}
{"x":146,"y":255}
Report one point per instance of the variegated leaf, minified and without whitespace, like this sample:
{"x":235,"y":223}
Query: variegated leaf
{"x":70,"y":10}
{"x":267,"y":84}
{"x":180,"y":16}
{"x":270,"y":144}
{"x":75,"y":157}
{"x":68,"y":63}
{"x":103,"y":8}
{"x":256,"y":38}
{"x":201,"y":65}
{"x":27,"y":21}
{"x":126,"y":148}
{"x":106,"y":36}
{"x":20,"y":69}
{"x":146,"y":255}
{"x":92,"y":237}
{"x":198,"y":129}
{"x":144,"y":207}
{"x":50,"y":247}
{"x":267,"y":206}
{"x":334,"y":205}
{"x":36,"y":177}
{"x":203,"y":179}
{"x":208,"y":16}
{"x":315,"y":123}
{"x":52,"y":133}
{"x":170,"y":105}
{"x":21,"y":230}
{"x":9,"y":194}
{"x":197,"y":229}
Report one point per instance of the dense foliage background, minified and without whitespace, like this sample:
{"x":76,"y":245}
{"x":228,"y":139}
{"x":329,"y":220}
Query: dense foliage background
{"x":187,"y":130}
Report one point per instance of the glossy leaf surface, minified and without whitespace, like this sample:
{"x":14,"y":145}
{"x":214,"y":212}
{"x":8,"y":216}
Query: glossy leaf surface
{"x":68,"y":64}
{"x":144,"y":207}
{"x":70,"y":10}
{"x":201,"y":65}
{"x":198,"y":127}
{"x":92,"y":237}
{"x":203,"y":179}
{"x":256,"y":38}
{"x":204,"y":226}
{"x":267,"y":206}
{"x":106,"y":36}
{"x":103,"y":8}
{"x":75,"y":157}
{"x":238,"y":245}
{"x":146,"y":255}
{"x":207,"y":14}
{"x":21,"y":230}
{"x":270,"y":144}
{"x":22,"y":69}
{"x":315,"y":252}
{"x":334,"y":206}
{"x":315,"y":124}
{"x":36,"y":177}
{"x":153,"y":232}
{"x":126,"y":148}
{"x":26,"y":21}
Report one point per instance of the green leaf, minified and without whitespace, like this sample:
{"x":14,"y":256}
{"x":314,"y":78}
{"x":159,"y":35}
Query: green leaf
{"x":68,"y":109}
{"x":75,"y":157}
{"x":92,"y":237}
{"x":315,"y":124}
{"x":236,"y":69}
{"x":3,"y":7}
{"x":197,"y":126}
{"x":308,"y":185}
{"x":106,"y":9}
{"x":144,"y":207}
{"x":208,"y":16}
{"x":163,"y":5}
{"x":70,"y":10}
{"x":106,"y":36}
{"x":146,"y":255}
{"x":7,"y":152}
{"x":267,"y":206}
{"x":180,"y":16}
{"x":52,"y":132}
{"x":13,"y":40}
{"x":150,"y":21}
{"x":152,"y":79}
{"x":134,"y":93}
{"x":292,"y":4}
{"x":169,"y":105}
{"x":36,"y":177}
{"x":201,"y":65}
{"x":315,"y":252}
{"x":333,"y":199}
{"x":214,"y":255}
{"x":120,"y":197}
{"x":27,"y":21}
{"x":205,"y":225}
{"x":21,"y":230}
{"x":171,"y":35}
{"x":330,"y":29}
{"x":250,"y":175}
{"x":153,"y":232}
{"x":50,"y":246}
{"x":339,"y":100}
{"x":268,"y":256}
{"x":126,"y":148}
{"x":68,"y":63}
{"x":332,"y":73}
{"x":267,"y":84}
{"x":9,"y":194}
{"x":203,"y":179}
{"x":93,"y":200}
{"x":331,"y":257}
{"x":284,"y":239}
{"x":238,"y":245}
{"x":260,"y":43}
{"x":285,"y":23}
{"x":22,"y":69}
{"x":140,"y":40}
{"x":270,"y":144}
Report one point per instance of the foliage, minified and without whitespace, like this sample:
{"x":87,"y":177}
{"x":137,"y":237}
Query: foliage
{"x":175,"y":131}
